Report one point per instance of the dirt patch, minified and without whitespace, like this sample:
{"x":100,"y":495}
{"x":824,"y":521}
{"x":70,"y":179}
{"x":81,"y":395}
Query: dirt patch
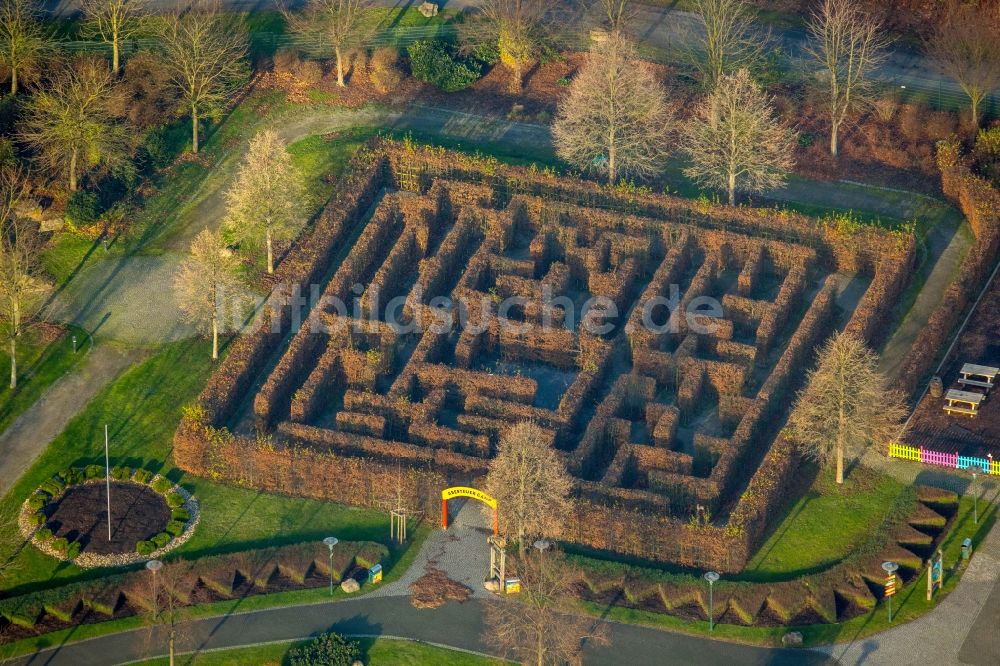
{"x":138,"y":513}
{"x":435,"y":589}
{"x":931,"y":427}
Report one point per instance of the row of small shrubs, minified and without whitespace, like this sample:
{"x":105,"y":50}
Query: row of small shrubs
{"x":438,"y":62}
{"x":56,"y":485}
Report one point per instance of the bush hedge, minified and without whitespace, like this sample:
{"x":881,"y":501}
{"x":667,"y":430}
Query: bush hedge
{"x":439,"y":64}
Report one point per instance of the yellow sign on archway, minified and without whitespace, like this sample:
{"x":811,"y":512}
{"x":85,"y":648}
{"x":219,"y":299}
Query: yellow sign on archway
{"x":465,"y":491}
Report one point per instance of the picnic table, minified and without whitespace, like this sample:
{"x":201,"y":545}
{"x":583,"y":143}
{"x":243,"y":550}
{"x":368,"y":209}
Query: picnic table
{"x":982,"y":376}
{"x":963,"y":402}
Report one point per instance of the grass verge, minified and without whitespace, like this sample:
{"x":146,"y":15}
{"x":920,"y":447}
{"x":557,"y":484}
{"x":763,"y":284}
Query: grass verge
{"x":40,"y":363}
{"x":909,"y":603}
{"x":142,"y":408}
{"x":374,"y":652}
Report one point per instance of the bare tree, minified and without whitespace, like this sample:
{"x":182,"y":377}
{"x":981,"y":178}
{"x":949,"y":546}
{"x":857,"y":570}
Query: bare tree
{"x":267,"y":199}
{"x":113,"y":22}
{"x":205,"y":51}
{"x":729,"y":40}
{"x":528,"y":478}
{"x":520,"y":29}
{"x":846,"y":405}
{"x":616,"y":112}
{"x":735,"y":141}
{"x":208,"y":288}
{"x":538,"y":627}
{"x":848,"y":44}
{"x":21,"y":285}
{"x":23,"y":42}
{"x":966,"y":47}
{"x":339,"y":24}
{"x":617,"y":15}
{"x":161,"y":593}
{"x":72,"y":122}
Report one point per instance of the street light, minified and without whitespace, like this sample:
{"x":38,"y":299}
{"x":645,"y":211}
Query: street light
{"x":890,"y":569}
{"x":330,"y":542}
{"x":154,"y":566}
{"x":542,"y":545}
{"x":711,"y":577}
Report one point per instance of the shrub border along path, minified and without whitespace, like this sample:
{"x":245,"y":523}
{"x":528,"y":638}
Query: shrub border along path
{"x":27,"y":521}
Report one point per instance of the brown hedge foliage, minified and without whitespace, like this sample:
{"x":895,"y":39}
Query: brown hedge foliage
{"x":305,"y":565}
{"x":980,"y":203}
{"x":602,"y":249}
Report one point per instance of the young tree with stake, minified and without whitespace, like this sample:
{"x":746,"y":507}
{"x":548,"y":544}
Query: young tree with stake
{"x":616,"y":108}
{"x":848,"y":45}
{"x":340,"y":24}
{"x":207,"y":286}
{"x":23,"y":42}
{"x":205,"y":51}
{"x":529,"y":480}
{"x":735,"y":141}
{"x":113,"y":22}
{"x":846,"y":405}
{"x":22,"y":288}
{"x":268,"y":197}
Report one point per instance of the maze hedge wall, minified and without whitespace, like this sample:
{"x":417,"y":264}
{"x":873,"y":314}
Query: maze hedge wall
{"x":980,"y":203}
{"x":662,"y":414}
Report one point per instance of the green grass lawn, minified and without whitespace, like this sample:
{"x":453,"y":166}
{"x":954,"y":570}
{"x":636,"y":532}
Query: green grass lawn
{"x":321,"y":159}
{"x":374,"y":652}
{"x":142,"y":408}
{"x":40,"y":362}
{"x":826,"y":524}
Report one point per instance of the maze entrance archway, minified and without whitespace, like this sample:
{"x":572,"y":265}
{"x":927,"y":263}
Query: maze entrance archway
{"x":465,"y":491}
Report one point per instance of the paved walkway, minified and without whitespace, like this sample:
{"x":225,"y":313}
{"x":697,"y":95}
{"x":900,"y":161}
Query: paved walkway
{"x":461,"y":552}
{"x":28,"y":436}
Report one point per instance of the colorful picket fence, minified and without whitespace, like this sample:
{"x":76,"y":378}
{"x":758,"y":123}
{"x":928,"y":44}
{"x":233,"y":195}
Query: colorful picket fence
{"x":953,"y":460}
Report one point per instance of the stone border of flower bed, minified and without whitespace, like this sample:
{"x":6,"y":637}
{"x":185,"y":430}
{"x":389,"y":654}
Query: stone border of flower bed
{"x":31,"y":520}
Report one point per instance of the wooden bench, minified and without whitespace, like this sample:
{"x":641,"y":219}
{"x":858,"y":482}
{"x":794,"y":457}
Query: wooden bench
{"x":961,"y":410}
{"x":975,"y":382}
{"x":982,"y":376}
{"x":963,"y":402}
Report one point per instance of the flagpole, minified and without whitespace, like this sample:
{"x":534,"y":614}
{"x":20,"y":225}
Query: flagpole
{"x":107,"y":477}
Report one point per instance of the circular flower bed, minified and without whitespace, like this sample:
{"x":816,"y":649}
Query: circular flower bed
{"x":66,"y":517}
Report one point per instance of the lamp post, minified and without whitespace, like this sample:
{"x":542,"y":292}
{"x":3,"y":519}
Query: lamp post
{"x":975,"y":499}
{"x":330,"y":542}
{"x":711,"y":577}
{"x":890,"y":570}
{"x":154,"y":566}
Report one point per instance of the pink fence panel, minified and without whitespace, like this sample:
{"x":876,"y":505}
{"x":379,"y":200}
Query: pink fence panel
{"x":938,"y":458}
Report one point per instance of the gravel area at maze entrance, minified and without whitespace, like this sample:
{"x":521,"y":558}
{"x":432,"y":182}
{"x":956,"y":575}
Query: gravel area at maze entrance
{"x":138,"y":513}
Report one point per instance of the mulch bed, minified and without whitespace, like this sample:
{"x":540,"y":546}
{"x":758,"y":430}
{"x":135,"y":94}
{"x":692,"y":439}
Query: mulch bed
{"x":931,"y":427}
{"x":138,"y":513}
{"x":435,"y":589}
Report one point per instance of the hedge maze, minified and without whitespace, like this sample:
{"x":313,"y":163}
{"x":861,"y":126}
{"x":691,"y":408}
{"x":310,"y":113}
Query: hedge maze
{"x":456,"y":297}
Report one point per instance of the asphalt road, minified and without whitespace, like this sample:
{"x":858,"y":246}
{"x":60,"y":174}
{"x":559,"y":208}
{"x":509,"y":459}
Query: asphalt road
{"x":454,"y":624}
